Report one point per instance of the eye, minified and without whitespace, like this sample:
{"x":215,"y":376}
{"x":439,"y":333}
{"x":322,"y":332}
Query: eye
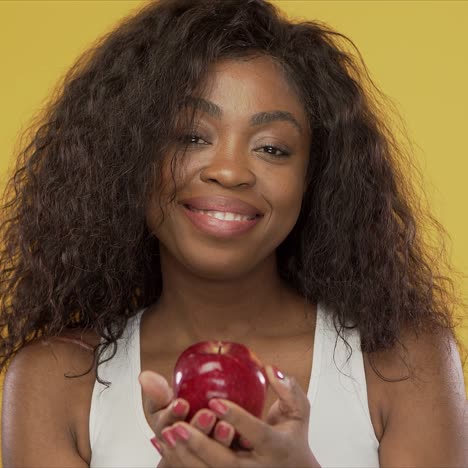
{"x":275,"y":151}
{"x":192,"y":139}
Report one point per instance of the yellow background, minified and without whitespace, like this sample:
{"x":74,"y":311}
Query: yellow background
{"x":415,"y":51}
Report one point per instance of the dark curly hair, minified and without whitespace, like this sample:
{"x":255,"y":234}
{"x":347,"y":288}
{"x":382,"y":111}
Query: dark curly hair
{"x":76,"y":250}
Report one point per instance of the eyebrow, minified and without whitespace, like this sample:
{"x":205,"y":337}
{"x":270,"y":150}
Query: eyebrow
{"x":262,"y":118}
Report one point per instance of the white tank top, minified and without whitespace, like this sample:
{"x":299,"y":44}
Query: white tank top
{"x":340,"y":430}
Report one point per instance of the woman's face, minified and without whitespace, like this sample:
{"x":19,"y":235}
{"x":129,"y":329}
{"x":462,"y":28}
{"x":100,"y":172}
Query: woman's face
{"x":249,"y":144}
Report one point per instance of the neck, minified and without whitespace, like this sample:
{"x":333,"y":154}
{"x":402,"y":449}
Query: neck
{"x":258,"y":304}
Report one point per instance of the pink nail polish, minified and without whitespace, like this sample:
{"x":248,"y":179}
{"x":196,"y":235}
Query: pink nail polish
{"x":218,"y":407}
{"x":278,"y":373}
{"x":156,"y":444}
{"x":179,"y":408}
{"x":205,"y":420}
{"x":169,"y":438}
{"x":181,"y":432}
{"x":222,"y":431}
{"x":245,"y":443}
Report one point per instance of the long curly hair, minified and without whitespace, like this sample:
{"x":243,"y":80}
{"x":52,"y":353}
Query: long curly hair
{"x":76,"y":252}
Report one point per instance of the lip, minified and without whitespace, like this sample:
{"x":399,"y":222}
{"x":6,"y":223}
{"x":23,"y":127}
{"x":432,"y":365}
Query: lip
{"x":224,"y":204}
{"x":217,"y":227}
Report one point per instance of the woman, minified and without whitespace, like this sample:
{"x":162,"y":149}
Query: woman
{"x":211,"y":171}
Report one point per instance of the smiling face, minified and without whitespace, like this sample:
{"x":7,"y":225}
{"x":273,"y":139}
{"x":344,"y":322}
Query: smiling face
{"x":247,"y":157}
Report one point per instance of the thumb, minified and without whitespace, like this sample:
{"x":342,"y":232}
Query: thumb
{"x":156,"y":389}
{"x":292,"y":402}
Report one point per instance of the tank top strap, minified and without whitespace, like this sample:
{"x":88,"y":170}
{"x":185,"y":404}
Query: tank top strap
{"x":135,"y":370}
{"x":342,"y":356}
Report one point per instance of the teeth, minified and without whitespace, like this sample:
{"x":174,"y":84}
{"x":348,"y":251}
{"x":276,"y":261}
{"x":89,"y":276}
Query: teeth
{"x":224,"y":216}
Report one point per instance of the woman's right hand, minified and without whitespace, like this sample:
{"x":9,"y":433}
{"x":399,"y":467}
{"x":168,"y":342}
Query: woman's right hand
{"x":163,"y":411}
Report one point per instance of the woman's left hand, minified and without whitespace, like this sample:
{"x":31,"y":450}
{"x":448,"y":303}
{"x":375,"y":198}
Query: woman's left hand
{"x":280,"y":441}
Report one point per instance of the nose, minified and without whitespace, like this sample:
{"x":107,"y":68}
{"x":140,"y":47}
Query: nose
{"x":229,"y":172}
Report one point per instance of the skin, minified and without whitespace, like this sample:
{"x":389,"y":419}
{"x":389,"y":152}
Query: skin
{"x":230,"y":290}
{"x":207,"y":279}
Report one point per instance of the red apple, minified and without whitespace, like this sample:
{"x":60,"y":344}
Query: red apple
{"x":220,"y":369}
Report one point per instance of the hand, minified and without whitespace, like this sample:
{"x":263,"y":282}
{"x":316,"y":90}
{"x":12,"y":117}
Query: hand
{"x":280,"y":441}
{"x":164,"y":411}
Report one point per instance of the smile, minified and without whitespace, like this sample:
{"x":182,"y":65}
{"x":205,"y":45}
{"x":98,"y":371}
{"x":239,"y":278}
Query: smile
{"x":223,"y":215}
{"x":221,"y":224}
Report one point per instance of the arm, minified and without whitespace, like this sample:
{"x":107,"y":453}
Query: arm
{"x":427,"y":422}
{"x":37,"y":419}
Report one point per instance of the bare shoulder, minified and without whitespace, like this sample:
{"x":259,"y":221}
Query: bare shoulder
{"x":424,"y":412}
{"x":43,"y":409}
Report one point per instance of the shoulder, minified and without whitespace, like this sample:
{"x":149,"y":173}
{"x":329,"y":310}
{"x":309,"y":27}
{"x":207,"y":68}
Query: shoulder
{"x":51,"y":357}
{"x":424,"y":401}
{"x":423,"y":362}
{"x":39,"y":398}
{"x":45,"y":358}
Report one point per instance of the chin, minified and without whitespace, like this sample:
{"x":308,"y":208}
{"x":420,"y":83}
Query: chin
{"x":215,"y":260}
{"x":219,"y":269}
{"x":218,"y":264}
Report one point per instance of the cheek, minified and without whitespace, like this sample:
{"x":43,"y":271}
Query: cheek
{"x":286,"y":197}
{"x":287,"y":211}
{"x":160,"y":204}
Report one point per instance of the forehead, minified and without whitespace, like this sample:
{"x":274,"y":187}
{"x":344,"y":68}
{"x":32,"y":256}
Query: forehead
{"x":251,"y":85}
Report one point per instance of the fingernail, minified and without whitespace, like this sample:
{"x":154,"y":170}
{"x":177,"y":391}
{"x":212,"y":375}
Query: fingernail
{"x":222,"y":431}
{"x":169,"y":438}
{"x":205,"y":420}
{"x":245,"y":443}
{"x":278,"y":373}
{"x":218,"y":407}
{"x":178,"y":408}
{"x":181,"y":432}
{"x":156,"y":444}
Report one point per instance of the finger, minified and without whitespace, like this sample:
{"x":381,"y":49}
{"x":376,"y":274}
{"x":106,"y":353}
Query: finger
{"x":224,"y":433}
{"x":176,"y":411}
{"x":157,"y":390}
{"x":176,"y":452}
{"x":209,"y":452}
{"x":204,"y":420}
{"x":257,"y":432}
{"x":245,"y":444}
{"x":161,"y":413}
{"x":292,"y":403}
